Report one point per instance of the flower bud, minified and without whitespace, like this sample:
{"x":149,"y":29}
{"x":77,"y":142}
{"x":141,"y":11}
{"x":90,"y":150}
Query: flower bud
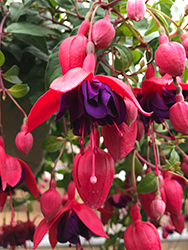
{"x":186,"y":9}
{"x":184,"y":39}
{"x":141,"y":235}
{"x":50,"y":201}
{"x":103,"y":33}
{"x":24,"y":142}
{"x":72,"y":50}
{"x":93,"y":191}
{"x":184,"y":165}
{"x":174,"y":196}
{"x":170,"y":56}
{"x":178,"y":115}
{"x":158,"y":207}
{"x":136,"y":9}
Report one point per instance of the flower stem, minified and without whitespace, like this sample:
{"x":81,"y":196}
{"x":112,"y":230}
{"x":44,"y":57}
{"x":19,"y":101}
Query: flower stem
{"x":154,"y":151}
{"x":12,"y":209}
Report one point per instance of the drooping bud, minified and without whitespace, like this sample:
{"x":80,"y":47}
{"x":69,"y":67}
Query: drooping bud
{"x":119,"y":141}
{"x":178,"y":114}
{"x":174,"y":196}
{"x":72,"y":50}
{"x":136,"y":9}
{"x":103,"y":33}
{"x":186,"y":9}
{"x":93,"y":193}
{"x":147,"y":199}
{"x":178,"y":222}
{"x":170,"y":56}
{"x":184,"y":39}
{"x":24,"y":142}
{"x":158,"y":207}
{"x":131,"y":112}
{"x":141,"y":235}
{"x":50,"y":201}
{"x":184,"y":165}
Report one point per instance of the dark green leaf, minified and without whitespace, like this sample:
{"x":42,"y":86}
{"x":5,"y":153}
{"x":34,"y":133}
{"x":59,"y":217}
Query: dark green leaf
{"x":18,"y":9}
{"x":19,"y":91}
{"x":174,"y":157}
{"x":126,"y":55}
{"x":66,"y":4}
{"x":13,"y":71}
{"x":128,"y":163}
{"x":53,"y":68}
{"x":13,"y":79}
{"x":2,"y":58}
{"x":51,"y":144}
{"x":148,"y":184}
{"x":29,"y":29}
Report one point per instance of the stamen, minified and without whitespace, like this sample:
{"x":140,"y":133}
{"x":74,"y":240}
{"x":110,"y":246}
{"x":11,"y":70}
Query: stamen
{"x":154,"y":151}
{"x":81,"y":141}
{"x":93,"y":178}
{"x":121,"y":133}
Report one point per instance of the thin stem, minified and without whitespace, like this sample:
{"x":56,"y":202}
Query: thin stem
{"x":12,"y":209}
{"x":61,"y":152}
{"x":19,"y":107}
{"x":145,"y":161}
{"x":160,"y":12}
{"x":1,"y":25}
{"x":154,"y":17}
{"x":154,"y":151}
{"x":133,"y":171}
{"x":91,"y":23}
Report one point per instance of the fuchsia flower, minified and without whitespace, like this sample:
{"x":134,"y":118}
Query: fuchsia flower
{"x":72,"y":50}
{"x":16,"y":235}
{"x":156,"y":95}
{"x":141,"y":235}
{"x":72,"y":220}
{"x":89,"y":98}
{"x":136,"y":9}
{"x":103,"y":33}
{"x":170,"y":56}
{"x":13,"y":172}
{"x":184,"y":39}
{"x":24,"y":142}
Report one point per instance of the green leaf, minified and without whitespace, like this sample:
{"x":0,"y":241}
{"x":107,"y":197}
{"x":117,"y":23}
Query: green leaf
{"x":148,"y":184}
{"x":53,"y":68}
{"x":19,"y":91}
{"x":13,"y":79}
{"x":174,"y":157}
{"x":18,"y":9}
{"x":66,"y":4}
{"x":37,"y":41}
{"x":51,"y":144}
{"x":2,"y":58}
{"x":126,"y":55}
{"x":29,"y":29}
{"x":13,"y":71}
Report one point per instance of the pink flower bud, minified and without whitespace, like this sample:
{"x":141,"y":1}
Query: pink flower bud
{"x":184,"y":165}
{"x":72,"y":50}
{"x":141,"y":235}
{"x":186,"y":9}
{"x":174,"y":196}
{"x":170,"y":56}
{"x":131,"y":112}
{"x":184,"y":39}
{"x":178,"y":114}
{"x":147,"y":199}
{"x":158,"y":207}
{"x":50,"y":201}
{"x":24,"y":142}
{"x":93,"y":191}
{"x":136,"y":9}
{"x":103,"y":33}
{"x":178,"y":222}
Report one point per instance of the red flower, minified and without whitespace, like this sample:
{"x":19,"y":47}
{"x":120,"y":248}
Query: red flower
{"x":72,"y":220}
{"x":13,"y":172}
{"x":49,"y":103}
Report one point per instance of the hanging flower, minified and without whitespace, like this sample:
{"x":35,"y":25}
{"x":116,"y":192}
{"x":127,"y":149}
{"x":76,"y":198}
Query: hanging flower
{"x":90,"y":97}
{"x":72,"y":220}
{"x":13,"y":172}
